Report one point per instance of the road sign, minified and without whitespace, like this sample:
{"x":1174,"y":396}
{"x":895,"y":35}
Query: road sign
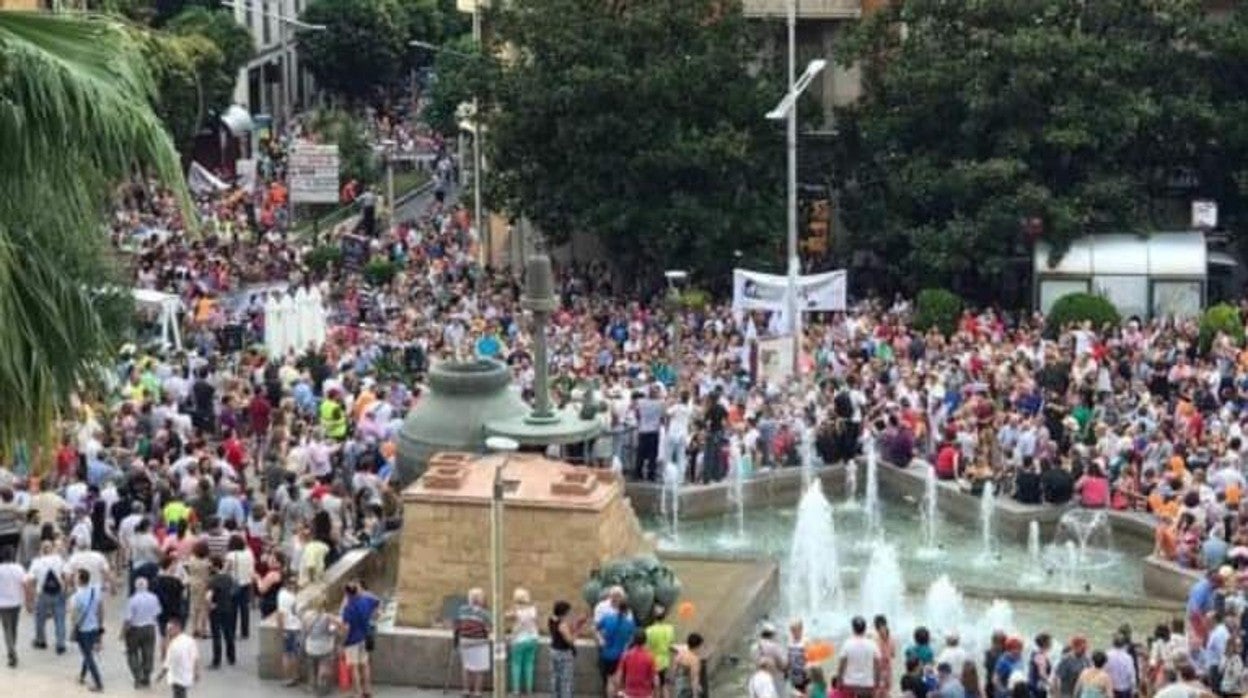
{"x":313,"y":174}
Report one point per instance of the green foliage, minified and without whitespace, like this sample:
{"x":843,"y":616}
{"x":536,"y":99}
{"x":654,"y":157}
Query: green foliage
{"x":75,"y":119}
{"x":1222,"y":318}
{"x":1076,"y":308}
{"x":356,"y":158}
{"x":380,"y":271}
{"x":232,"y":40}
{"x":363,"y":48}
{"x":982,"y":115}
{"x":695,"y":299}
{"x":321,"y":258}
{"x":174,"y":62}
{"x":640,"y":123}
{"x":645,"y":580}
{"x":454,"y":85}
{"x":939,"y":308}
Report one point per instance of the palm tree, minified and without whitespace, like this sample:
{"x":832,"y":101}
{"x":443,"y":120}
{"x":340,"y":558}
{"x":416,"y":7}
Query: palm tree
{"x":75,"y":121}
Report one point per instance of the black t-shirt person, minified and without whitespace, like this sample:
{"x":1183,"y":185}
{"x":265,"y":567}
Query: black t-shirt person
{"x":1027,"y":487}
{"x":1058,"y":485}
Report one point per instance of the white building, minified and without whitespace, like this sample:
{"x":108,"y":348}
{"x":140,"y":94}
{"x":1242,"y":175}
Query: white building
{"x":274,"y":82}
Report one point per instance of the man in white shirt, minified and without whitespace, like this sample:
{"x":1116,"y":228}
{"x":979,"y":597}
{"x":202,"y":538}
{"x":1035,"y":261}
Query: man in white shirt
{"x":678,"y":417}
{"x":94,"y":563}
{"x":763,"y":680}
{"x":50,"y":595}
{"x":859,"y":668}
{"x":12,"y":595}
{"x":182,"y":666}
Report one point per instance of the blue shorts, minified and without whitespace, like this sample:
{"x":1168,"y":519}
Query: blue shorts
{"x":290,"y":642}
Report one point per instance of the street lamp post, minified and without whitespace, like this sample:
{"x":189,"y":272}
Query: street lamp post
{"x":787,"y":109}
{"x":504,"y":447}
{"x":389,"y":146}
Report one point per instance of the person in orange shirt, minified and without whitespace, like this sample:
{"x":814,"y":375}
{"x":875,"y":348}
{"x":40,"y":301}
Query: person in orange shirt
{"x":1165,"y":539}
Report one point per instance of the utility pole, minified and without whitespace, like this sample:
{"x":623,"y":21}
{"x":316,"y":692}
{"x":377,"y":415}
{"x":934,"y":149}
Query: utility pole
{"x":795,"y":315}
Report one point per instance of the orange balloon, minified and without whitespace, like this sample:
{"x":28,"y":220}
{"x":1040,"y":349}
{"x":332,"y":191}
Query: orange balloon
{"x":686,"y":610}
{"x":818,"y":652}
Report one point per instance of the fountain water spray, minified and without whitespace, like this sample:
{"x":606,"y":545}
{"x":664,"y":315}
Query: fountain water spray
{"x":814,"y":583}
{"x":670,"y":497}
{"x":808,"y":454}
{"x":873,"y":491}
{"x":943,"y":607}
{"x":738,"y":485}
{"x":1035,"y":557}
{"x":883,"y":588}
{"x":851,"y":485}
{"x":929,"y":518}
{"x":987,"y":509}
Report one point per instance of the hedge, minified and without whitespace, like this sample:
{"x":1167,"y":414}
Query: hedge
{"x":1220,"y":318}
{"x":936,"y":307}
{"x":1078,"y":307}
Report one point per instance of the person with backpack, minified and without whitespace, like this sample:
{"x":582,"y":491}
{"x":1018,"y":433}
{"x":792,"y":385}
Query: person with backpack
{"x":47,"y":580}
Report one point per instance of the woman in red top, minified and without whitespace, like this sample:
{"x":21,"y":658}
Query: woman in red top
{"x":637,"y":674}
{"x":1093,"y":488}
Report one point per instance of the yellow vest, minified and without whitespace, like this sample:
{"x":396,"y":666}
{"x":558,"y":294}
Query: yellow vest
{"x":333,"y":419}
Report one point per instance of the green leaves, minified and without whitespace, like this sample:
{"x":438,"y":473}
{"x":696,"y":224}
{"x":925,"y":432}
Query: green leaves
{"x":638,"y":123}
{"x":74,"y":121}
{"x":989,"y":114}
{"x":363,"y":47}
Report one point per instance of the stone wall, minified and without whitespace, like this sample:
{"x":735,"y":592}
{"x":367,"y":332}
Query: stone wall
{"x":547,"y":550}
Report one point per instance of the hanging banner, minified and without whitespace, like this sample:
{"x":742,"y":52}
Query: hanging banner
{"x":753,"y":290}
{"x":202,"y":181}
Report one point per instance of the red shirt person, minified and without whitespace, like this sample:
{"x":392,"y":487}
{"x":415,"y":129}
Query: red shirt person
{"x":637,"y":674}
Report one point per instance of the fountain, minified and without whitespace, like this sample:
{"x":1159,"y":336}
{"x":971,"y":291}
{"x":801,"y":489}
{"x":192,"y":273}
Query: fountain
{"x":851,"y":486}
{"x":929,"y":519}
{"x":943,"y":607}
{"x":669,"y":498}
{"x":814,"y":583}
{"x":873,"y":492}
{"x":808,"y":455}
{"x":735,"y":537}
{"x":987,"y":509}
{"x":883,"y":587}
{"x":1035,"y":558}
{"x":1088,"y":532}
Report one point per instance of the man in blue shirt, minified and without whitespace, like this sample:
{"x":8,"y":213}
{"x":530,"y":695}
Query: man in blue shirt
{"x":615,"y":631}
{"x":358,"y":611}
{"x":139,"y":631}
{"x":1200,"y":603}
{"x":85,"y":607}
{"x":1009,"y":662}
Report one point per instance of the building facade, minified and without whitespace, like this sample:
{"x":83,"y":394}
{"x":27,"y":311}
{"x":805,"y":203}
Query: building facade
{"x":274,"y":82}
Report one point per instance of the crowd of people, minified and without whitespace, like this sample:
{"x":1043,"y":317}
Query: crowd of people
{"x":216,"y":479}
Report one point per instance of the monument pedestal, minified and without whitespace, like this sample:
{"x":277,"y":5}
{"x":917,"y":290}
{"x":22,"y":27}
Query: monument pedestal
{"x":559,"y":522}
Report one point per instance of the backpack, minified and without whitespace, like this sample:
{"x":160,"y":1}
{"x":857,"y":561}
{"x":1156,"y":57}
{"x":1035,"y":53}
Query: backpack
{"x":51,"y":584}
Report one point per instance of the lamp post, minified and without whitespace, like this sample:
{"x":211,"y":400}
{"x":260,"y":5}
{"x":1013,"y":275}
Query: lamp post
{"x":504,"y":447}
{"x":787,"y":109}
{"x":389,"y":145}
{"x":473,"y":127}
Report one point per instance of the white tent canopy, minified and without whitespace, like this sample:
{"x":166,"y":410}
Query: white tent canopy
{"x":166,"y":307}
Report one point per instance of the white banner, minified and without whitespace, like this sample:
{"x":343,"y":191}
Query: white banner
{"x":202,"y":181}
{"x":753,"y":290}
{"x":313,"y":174}
{"x":245,"y":171}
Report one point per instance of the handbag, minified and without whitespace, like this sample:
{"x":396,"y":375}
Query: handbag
{"x":344,"y":672}
{"x":73,"y":632}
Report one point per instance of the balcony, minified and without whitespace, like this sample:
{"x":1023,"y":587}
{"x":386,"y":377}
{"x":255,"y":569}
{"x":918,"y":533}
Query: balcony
{"x":806,"y":9}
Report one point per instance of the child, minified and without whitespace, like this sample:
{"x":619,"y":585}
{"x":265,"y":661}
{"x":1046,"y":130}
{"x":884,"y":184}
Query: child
{"x":818,"y":685}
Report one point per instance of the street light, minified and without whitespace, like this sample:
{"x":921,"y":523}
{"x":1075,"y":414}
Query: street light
{"x":504,"y":447}
{"x":474,"y":126}
{"x":787,"y":109}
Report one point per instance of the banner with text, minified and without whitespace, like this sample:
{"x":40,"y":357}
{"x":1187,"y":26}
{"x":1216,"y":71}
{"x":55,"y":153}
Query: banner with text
{"x":752,"y":290}
{"x":313,"y":174}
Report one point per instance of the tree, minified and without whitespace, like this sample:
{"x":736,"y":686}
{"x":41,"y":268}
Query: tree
{"x":232,"y":40}
{"x":356,"y":157}
{"x":1223,"y":172}
{"x":362,"y":49}
{"x":75,"y":119}
{"x":638,"y":122}
{"x":177,"y":64}
{"x":453,"y":86}
{"x":985,"y":124}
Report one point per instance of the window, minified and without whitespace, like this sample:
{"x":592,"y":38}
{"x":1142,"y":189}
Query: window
{"x":267,"y":33}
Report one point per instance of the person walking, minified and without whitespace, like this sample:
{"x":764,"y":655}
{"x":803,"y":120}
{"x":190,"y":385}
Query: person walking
{"x":138,"y":631}
{"x":182,"y":666}
{"x":220,"y":598}
{"x":241,"y":565}
{"x":48,"y":581}
{"x":12,"y":595}
{"x":87,"y":609}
